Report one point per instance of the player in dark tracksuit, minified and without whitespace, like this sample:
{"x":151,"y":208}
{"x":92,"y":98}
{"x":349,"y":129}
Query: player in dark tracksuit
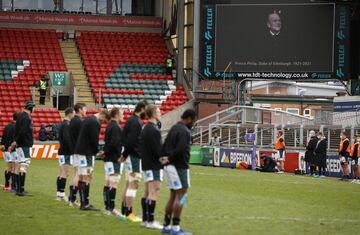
{"x":24,"y":140}
{"x":321,"y":154}
{"x":177,"y":156}
{"x":64,"y":154}
{"x":87,"y":147}
{"x":9,"y":156}
{"x":131,"y":135}
{"x":112,"y":161}
{"x":150,"y":152}
{"x":75,"y":126}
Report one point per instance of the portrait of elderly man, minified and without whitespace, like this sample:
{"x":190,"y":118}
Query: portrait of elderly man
{"x":274,"y":23}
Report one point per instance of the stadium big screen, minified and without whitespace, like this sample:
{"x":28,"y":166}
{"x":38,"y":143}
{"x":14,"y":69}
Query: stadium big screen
{"x":273,"y":39}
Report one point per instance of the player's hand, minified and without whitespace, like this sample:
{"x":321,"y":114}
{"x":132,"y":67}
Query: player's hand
{"x":164,"y":160}
{"x":121,"y":159}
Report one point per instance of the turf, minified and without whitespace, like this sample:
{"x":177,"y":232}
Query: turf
{"x":221,"y":201}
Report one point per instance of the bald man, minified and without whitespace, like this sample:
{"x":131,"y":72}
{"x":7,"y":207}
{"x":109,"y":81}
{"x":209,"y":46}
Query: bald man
{"x":274,"y":24}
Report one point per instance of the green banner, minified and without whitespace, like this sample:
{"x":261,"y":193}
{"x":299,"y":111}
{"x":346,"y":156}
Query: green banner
{"x":195,"y":155}
{"x":59,"y":79}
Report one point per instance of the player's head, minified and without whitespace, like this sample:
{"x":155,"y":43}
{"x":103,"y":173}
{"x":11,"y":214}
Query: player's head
{"x":80,"y":109}
{"x":312,"y":133}
{"x":274,"y":23}
{"x":189,"y":118}
{"x":29,"y":106}
{"x":15,"y":115}
{"x":343,"y":135}
{"x":69,"y":113}
{"x":280,"y":133}
{"x":153,"y":112}
{"x":140,"y":108}
{"x":116,"y":114}
{"x":103,"y":116}
{"x":357,"y":138}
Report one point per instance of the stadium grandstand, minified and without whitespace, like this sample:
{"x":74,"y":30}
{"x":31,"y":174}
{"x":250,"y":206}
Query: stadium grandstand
{"x":216,"y":91}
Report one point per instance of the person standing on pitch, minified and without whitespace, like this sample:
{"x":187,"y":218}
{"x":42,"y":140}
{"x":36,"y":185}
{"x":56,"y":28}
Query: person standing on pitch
{"x":321,"y":154}
{"x":280,"y":148}
{"x":64,"y":154}
{"x":87,"y":147}
{"x":176,"y":170}
{"x":112,"y":161}
{"x":131,"y":135}
{"x":24,"y":140}
{"x":344,"y":153}
{"x":354,"y":154}
{"x":75,"y":126}
{"x":10,"y":157}
{"x":310,"y":148}
{"x":150,"y":152}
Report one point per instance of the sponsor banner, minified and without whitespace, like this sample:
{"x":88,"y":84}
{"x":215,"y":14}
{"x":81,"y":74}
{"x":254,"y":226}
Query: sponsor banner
{"x":195,"y":155}
{"x":333,"y":166}
{"x":291,"y":159}
{"x":347,"y":106}
{"x":43,"y":151}
{"x":230,"y":157}
{"x":80,"y":20}
{"x":216,"y":156}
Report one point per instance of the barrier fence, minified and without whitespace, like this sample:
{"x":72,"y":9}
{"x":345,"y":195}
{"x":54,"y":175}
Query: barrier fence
{"x":231,"y":157}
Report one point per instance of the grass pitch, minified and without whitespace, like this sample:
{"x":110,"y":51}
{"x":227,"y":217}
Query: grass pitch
{"x":221,"y":201}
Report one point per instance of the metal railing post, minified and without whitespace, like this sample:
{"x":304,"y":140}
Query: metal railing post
{"x":57,"y":99}
{"x":201,"y":135}
{"x":301,"y":142}
{"x":237,"y":136}
{"x":210,"y":134}
{"x":229,"y":136}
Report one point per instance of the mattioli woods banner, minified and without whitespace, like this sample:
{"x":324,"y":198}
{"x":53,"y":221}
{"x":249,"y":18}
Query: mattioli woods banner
{"x":81,"y":20}
{"x":43,"y":151}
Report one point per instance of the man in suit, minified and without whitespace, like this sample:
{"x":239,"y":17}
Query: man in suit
{"x":320,"y":153}
{"x":310,"y":148}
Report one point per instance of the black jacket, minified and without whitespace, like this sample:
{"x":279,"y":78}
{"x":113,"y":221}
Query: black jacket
{"x":177,"y":146}
{"x":150,"y":147}
{"x":321,"y":153}
{"x":310,"y":148}
{"x":355,"y":153}
{"x":65,"y":138}
{"x":131,"y":136}
{"x":75,"y":126}
{"x":113,"y":145}
{"x":24,"y":133}
{"x":88,"y":140}
{"x":8,"y":135}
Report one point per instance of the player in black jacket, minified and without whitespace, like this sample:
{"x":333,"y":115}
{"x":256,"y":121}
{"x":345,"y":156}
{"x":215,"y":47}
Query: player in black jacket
{"x":131,"y":135}
{"x":24,"y":140}
{"x":87,"y":147}
{"x":64,"y":154}
{"x":150,"y":151}
{"x":177,"y":156}
{"x":75,"y":126}
{"x":112,"y":161}
{"x":9,"y":156}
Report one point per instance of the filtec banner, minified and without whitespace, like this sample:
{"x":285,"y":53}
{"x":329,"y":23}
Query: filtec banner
{"x":42,"y":151}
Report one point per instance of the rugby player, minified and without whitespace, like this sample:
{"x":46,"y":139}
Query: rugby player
{"x":87,"y":146}
{"x":150,"y":152}
{"x":24,"y":140}
{"x":75,"y":126}
{"x":64,"y":154}
{"x":9,"y":156}
{"x":112,"y":161}
{"x":354,"y":154}
{"x":131,"y":135}
{"x":176,"y":159}
{"x":344,"y":153}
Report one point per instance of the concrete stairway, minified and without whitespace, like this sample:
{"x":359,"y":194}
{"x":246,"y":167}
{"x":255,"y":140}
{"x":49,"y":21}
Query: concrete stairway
{"x":74,"y":65}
